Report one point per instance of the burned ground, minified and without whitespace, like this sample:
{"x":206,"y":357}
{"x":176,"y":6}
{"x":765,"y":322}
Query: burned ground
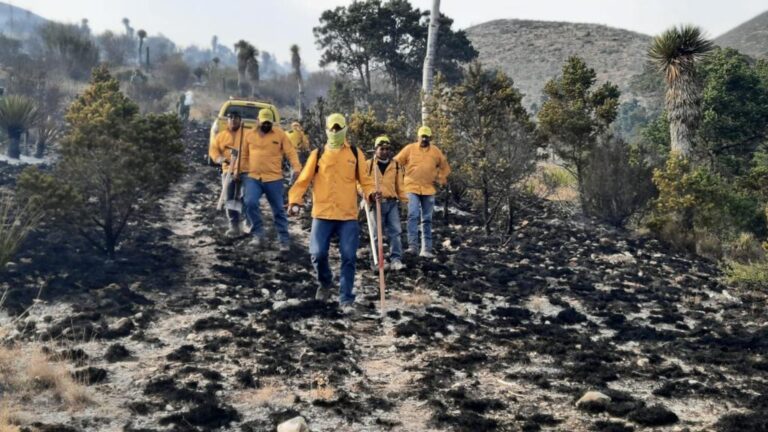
{"x":483,"y":338}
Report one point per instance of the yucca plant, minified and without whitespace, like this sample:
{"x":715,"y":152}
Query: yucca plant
{"x":246,"y":54}
{"x":676,"y":52}
{"x":17,"y":115}
{"x":296,"y":64}
{"x":142,"y":34}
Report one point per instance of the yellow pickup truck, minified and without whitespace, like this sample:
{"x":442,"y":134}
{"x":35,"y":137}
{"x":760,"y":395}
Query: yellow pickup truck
{"x":249,"y":111}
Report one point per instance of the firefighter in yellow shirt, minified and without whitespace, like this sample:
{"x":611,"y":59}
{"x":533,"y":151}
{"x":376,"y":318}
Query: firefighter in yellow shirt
{"x":267,"y":146}
{"x":424,"y":166}
{"x":300,"y":140}
{"x":391,"y":178}
{"x":333,"y":171}
{"x":223,"y":151}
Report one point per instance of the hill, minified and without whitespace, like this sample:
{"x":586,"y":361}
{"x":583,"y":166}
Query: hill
{"x":532,"y":52}
{"x":17,"y":22}
{"x":750,"y":37}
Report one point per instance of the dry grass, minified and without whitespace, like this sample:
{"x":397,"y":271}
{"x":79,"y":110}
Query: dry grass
{"x":269,"y":394}
{"x":35,"y":373}
{"x":48,"y":374}
{"x":552,"y":182}
{"x":322,"y":388}
{"x":8,"y":419}
{"x":326,"y":393}
{"x":417,"y":298}
{"x":8,"y":359}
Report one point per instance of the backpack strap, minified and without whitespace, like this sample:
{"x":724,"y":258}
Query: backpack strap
{"x":319,"y":155}
{"x":322,"y":149}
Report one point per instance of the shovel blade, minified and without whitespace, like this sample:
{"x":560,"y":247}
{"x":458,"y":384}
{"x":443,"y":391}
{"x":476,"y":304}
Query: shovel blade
{"x":234,"y":205}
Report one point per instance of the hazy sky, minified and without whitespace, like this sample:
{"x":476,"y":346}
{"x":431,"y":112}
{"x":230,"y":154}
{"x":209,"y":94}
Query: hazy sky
{"x":276,"y":24}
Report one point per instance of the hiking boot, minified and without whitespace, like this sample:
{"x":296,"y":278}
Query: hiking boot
{"x":411,"y":250}
{"x":322,"y":293}
{"x":233,"y":231}
{"x":353,"y":310}
{"x":426,"y":254}
{"x":396,"y":265}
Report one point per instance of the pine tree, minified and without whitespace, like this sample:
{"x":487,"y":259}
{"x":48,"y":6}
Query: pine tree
{"x":114,"y":165}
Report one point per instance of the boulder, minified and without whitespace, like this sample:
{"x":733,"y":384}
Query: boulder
{"x":296,"y":424}
{"x":592,"y":397}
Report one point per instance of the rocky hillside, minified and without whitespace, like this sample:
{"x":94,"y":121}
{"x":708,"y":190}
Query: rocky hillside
{"x":532,"y":52}
{"x":570,"y":326}
{"x":17,"y":22}
{"x":750,"y":37}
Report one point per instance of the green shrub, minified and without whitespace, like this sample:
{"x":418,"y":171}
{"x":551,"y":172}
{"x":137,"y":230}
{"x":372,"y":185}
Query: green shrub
{"x":753,"y":275}
{"x":615,"y":186}
{"x":694,"y":199}
{"x":554,"y":177}
{"x":746,"y":249}
{"x":114,"y":164}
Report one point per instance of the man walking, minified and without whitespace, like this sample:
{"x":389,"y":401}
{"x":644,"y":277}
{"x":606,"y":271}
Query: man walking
{"x":267,"y":146}
{"x":424,"y":166}
{"x":221,"y":152}
{"x":390,"y":175}
{"x":300,"y":141}
{"x":334,"y":171}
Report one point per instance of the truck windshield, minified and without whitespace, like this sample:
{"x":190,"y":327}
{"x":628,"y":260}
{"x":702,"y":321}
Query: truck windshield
{"x":246,"y":112}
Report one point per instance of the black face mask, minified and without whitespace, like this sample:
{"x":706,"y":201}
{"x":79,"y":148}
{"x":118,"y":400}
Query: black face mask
{"x":424,"y":141}
{"x":266,"y":127}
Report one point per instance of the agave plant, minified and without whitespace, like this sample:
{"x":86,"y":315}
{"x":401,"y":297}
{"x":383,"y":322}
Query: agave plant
{"x":17,"y":115}
{"x":676,"y":52}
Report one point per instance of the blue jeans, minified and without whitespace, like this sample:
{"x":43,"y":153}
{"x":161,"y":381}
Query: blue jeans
{"x":274,"y":192}
{"x":320,"y":242}
{"x":390,"y":214}
{"x":420,"y":211}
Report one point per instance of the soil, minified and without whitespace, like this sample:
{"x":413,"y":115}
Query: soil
{"x":502,"y":337}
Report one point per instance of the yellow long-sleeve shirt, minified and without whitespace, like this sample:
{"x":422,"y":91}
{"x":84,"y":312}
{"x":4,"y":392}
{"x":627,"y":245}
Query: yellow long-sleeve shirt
{"x":265,"y":153}
{"x":391,"y":181}
{"x":424,"y":166}
{"x":334,"y":192}
{"x":221,"y":147}
{"x":299,"y":139}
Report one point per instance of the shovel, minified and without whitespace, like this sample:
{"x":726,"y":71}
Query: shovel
{"x":232,"y":179}
{"x":370,"y":233}
{"x":380,"y":248}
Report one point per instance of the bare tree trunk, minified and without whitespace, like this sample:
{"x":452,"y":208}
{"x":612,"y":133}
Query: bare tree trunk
{"x":684,"y":112}
{"x":14,"y":144}
{"x":141,"y":46}
{"x":300,"y":102}
{"x":429,"y":60}
{"x":40,"y":146}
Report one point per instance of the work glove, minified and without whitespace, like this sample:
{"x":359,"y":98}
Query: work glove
{"x":376,"y":196}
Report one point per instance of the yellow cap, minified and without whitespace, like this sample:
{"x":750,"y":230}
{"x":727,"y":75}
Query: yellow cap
{"x":335,"y":119}
{"x":424,"y":130}
{"x":383,"y":139}
{"x":265,"y":115}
